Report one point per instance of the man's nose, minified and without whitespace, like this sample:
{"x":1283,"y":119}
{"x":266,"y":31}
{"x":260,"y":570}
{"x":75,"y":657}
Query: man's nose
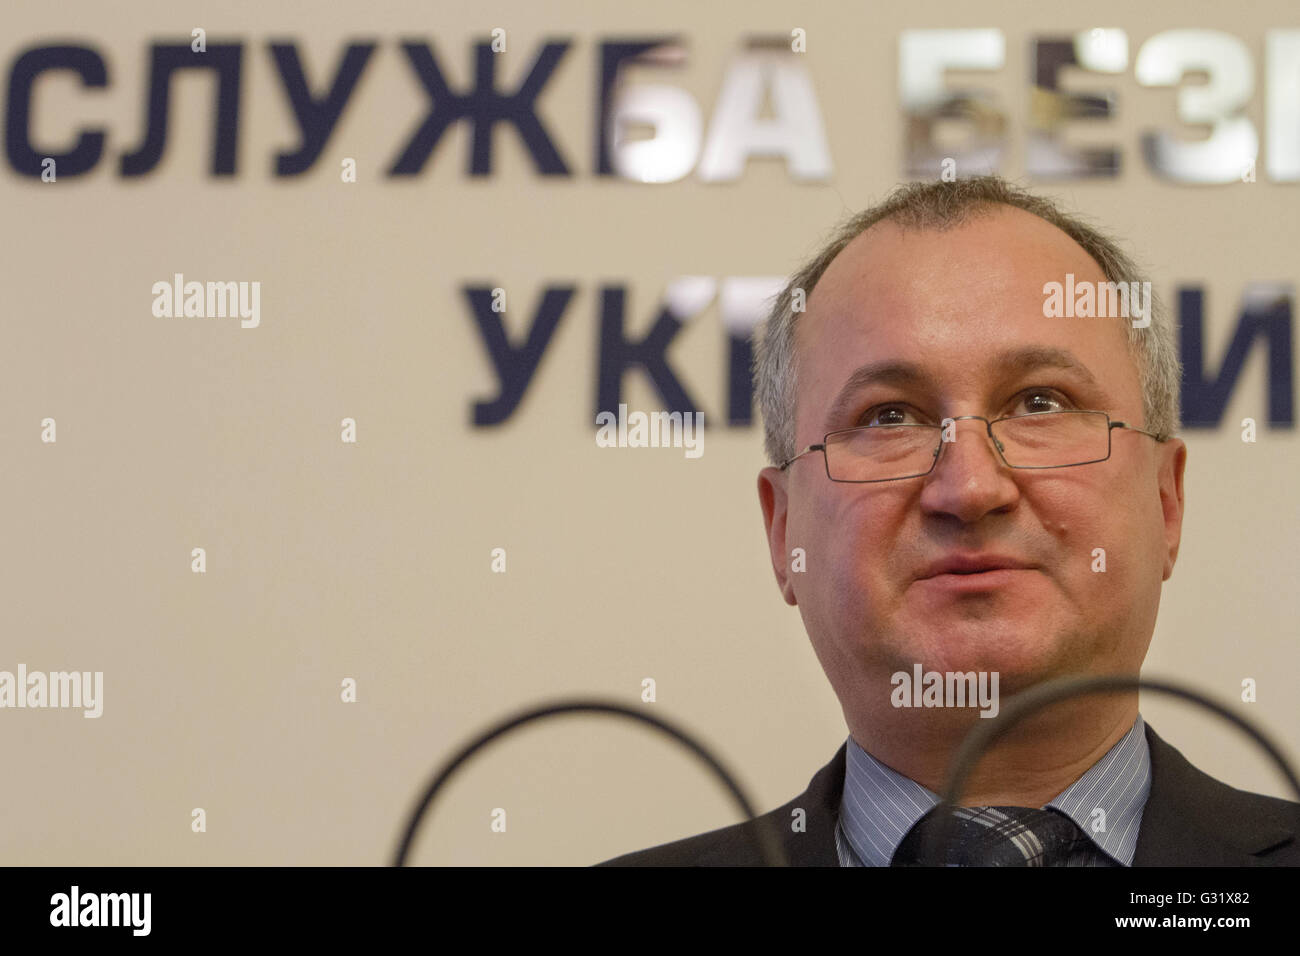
{"x":970,"y":478}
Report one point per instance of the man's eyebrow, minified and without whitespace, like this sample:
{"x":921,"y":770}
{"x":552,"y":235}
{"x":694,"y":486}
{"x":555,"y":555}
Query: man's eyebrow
{"x":886,"y":372}
{"x":900,"y":373}
{"x":1032,"y":357}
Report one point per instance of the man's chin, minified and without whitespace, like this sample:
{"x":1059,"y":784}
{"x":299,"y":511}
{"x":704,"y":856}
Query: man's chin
{"x":1020,"y":660}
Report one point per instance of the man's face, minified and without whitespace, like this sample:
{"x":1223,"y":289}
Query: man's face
{"x":957,"y":307}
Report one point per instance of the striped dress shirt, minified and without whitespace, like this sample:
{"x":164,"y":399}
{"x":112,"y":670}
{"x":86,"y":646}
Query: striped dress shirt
{"x":879,"y":805}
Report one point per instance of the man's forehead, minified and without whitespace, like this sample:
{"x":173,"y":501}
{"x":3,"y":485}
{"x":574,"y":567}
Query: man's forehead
{"x":965,"y":297}
{"x":992,"y":266}
{"x":995,"y":245}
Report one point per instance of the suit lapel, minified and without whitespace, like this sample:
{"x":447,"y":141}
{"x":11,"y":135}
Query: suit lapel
{"x":1191,"y":819}
{"x":821,"y":805}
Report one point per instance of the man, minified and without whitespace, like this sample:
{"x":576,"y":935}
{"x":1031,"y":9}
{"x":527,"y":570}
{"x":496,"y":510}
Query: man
{"x":966,"y":488}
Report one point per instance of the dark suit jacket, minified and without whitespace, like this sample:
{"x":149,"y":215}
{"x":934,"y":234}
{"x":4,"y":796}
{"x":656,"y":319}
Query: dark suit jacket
{"x":1190,"y":819}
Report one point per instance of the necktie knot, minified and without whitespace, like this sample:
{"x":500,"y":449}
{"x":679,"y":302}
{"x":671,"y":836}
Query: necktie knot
{"x":994,"y":836}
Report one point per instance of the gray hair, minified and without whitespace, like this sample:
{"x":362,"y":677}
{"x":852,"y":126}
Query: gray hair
{"x":940,"y":206}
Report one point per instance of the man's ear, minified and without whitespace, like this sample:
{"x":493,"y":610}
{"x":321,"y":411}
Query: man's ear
{"x":772,"y":495}
{"x":1171,"y":462}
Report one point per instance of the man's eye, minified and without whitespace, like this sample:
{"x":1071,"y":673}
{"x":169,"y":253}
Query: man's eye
{"x":1043,"y":400}
{"x":1034,"y":401}
{"x":884,"y":415}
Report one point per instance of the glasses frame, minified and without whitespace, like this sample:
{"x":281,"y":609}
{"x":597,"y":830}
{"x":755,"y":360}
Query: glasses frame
{"x":988,"y":427}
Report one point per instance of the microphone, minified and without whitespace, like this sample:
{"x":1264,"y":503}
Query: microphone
{"x":768,"y":843}
{"x":1040,"y":696}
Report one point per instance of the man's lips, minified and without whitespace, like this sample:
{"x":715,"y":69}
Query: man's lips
{"x":973,"y":563}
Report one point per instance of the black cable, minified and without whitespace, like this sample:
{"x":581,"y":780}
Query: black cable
{"x":1040,"y":696}
{"x":769,"y":845}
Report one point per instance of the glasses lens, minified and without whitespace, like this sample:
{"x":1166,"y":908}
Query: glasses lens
{"x":1054,"y":439}
{"x":881,"y":452}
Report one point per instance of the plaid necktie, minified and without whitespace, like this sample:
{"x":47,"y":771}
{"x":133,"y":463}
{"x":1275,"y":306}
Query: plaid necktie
{"x":1004,"y":836}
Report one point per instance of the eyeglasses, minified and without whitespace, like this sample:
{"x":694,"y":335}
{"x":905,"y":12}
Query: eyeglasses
{"x":1037,"y":440}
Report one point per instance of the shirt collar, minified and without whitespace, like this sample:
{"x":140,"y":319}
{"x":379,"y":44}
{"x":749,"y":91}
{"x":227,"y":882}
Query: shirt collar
{"x":880,"y":805}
